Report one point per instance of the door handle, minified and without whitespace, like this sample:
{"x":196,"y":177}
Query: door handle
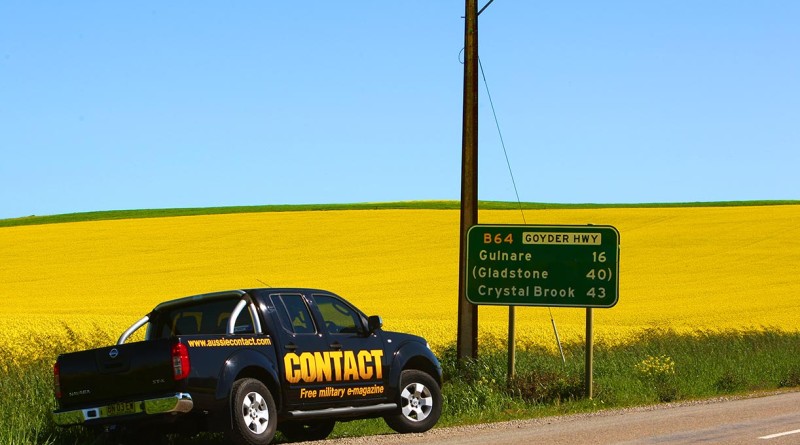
{"x":336,"y":345}
{"x":290,"y":347}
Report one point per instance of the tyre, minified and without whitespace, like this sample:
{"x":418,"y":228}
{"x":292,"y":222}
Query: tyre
{"x":254,"y":415}
{"x":420,"y":403}
{"x":303,"y":431}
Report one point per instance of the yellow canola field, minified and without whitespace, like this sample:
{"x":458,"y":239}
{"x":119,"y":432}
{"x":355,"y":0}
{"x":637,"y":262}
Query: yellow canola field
{"x":713,"y":268}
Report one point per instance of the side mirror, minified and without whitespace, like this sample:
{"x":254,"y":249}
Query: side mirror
{"x":374,"y":322}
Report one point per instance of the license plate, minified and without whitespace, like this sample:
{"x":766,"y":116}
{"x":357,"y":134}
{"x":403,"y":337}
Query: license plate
{"x":121,"y":409}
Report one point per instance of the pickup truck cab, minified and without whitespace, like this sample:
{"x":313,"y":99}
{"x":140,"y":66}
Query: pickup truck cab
{"x":248,"y":363}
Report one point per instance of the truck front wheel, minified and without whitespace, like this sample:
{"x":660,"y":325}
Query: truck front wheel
{"x":420,"y":403}
{"x":254,"y":414}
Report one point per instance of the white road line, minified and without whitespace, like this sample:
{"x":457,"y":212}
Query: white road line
{"x":772,"y":436}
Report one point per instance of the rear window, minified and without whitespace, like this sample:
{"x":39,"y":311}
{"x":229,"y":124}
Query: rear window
{"x":210,"y":317}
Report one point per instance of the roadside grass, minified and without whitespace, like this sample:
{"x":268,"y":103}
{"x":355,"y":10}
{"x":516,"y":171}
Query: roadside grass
{"x":654,"y":367}
{"x":657,"y":366}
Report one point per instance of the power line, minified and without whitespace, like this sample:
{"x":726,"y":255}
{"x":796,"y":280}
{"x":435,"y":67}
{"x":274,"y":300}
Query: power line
{"x":502,"y":142}
{"x":484,"y":7}
{"x":519,"y":203}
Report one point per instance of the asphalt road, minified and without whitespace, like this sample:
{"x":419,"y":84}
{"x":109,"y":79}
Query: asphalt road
{"x":767,"y":419}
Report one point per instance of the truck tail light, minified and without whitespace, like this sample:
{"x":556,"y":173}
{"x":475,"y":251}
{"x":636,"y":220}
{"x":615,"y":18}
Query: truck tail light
{"x":180,"y":361}
{"x":57,"y":380}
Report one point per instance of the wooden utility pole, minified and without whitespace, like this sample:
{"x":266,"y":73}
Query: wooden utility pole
{"x":467,"y":339}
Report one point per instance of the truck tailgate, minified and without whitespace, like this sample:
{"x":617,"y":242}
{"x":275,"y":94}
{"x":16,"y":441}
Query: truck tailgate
{"x":115,"y":373}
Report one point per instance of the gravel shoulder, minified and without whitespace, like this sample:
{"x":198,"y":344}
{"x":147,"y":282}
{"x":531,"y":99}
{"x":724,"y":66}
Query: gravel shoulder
{"x":468,"y":433}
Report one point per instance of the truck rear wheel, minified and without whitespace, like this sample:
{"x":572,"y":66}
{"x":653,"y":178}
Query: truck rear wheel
{"x":420,"y":403}
{"x":254,"y":414}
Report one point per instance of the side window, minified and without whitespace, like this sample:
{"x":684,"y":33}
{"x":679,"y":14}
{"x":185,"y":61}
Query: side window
{"x":339,"y":317}
{"x":294,"y":314}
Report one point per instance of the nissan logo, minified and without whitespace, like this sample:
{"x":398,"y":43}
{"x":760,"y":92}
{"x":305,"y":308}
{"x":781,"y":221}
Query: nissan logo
{"x":113,"y":353}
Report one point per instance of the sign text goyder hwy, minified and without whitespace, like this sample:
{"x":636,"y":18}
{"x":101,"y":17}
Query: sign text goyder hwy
{"x":543,"y":265}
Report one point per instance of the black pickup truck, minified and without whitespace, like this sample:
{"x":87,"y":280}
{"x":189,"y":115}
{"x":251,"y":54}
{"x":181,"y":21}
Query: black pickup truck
{"x":250,"y":363}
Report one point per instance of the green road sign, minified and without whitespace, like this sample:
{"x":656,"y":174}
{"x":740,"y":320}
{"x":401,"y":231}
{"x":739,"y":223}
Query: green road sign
{"x":533,"y":265}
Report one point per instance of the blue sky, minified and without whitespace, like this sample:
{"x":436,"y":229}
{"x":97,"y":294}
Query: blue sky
{"x":105,"y":105}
